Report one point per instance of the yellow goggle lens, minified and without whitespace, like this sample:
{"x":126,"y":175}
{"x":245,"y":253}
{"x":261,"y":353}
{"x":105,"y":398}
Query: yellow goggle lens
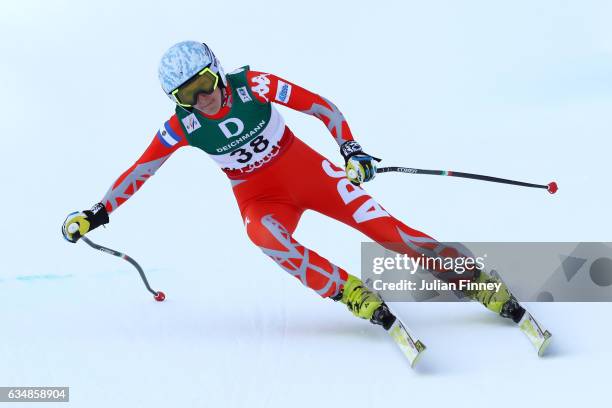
{"x":205,"y":81}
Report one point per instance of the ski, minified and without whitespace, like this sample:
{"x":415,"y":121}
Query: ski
{"x":538,"y":337}
{"x":412,"y":349}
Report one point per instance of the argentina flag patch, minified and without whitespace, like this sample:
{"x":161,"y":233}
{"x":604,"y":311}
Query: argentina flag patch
{"x":167,"y":135}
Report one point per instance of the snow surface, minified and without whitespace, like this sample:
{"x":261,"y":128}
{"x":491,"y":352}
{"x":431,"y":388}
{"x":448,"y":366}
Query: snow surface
{"x":116,"y":346}
{"x":516,"y":90}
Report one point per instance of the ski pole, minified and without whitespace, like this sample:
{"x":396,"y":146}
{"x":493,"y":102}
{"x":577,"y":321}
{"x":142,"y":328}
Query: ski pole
{"x":157,"y":295}
{"x":550,"y":187}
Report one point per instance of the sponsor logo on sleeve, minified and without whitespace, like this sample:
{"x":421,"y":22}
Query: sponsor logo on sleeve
{"x":262,"y":87}
{"x":283,"y":92}
{"x":244,"y":94}
{"x":191,"y":123}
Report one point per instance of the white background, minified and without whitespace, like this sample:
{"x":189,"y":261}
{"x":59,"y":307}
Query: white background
{"x":516,"y":90}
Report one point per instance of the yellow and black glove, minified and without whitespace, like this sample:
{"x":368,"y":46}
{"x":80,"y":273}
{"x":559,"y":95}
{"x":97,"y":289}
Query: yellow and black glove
{"x":360,"y":166}
{"x":78,"y":224}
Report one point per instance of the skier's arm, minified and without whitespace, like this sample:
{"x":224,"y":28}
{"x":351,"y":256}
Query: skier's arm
{"x":360,"y":166}
{"x":270,"y":88}
{"x":166,"y":141}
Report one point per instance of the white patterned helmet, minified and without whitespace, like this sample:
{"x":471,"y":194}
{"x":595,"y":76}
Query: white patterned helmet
{"x":182,"y":61}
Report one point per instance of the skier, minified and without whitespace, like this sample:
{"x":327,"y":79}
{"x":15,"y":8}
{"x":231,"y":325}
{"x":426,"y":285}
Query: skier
{"x":275,"y":176}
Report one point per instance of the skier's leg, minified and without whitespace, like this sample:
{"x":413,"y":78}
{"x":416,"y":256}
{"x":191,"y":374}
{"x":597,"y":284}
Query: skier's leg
{"x":336,"y":197}
{"x":270,"y":227}
{"x":332,"y":194}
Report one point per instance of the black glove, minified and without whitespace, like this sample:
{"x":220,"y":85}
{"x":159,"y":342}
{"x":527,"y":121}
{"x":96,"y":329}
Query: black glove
{"x":78,"y":224}
{"x":360,"y":166}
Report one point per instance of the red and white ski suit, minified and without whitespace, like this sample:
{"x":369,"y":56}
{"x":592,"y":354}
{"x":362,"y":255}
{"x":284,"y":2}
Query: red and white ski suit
{"x":272,"y":198}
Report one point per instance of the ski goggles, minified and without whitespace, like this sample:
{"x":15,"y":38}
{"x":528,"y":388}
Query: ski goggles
{"x":205,"y":81}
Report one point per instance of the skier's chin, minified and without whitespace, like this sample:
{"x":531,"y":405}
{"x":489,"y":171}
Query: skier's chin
{"x":207,"y":105}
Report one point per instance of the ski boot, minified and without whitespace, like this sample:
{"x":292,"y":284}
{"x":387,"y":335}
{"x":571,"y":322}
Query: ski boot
{"x":505,"y":304}
{"x":501,"y":302}
{"x":364,"y":303}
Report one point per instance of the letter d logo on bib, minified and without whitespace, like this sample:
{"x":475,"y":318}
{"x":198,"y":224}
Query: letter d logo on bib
{"x":235,"y":123}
